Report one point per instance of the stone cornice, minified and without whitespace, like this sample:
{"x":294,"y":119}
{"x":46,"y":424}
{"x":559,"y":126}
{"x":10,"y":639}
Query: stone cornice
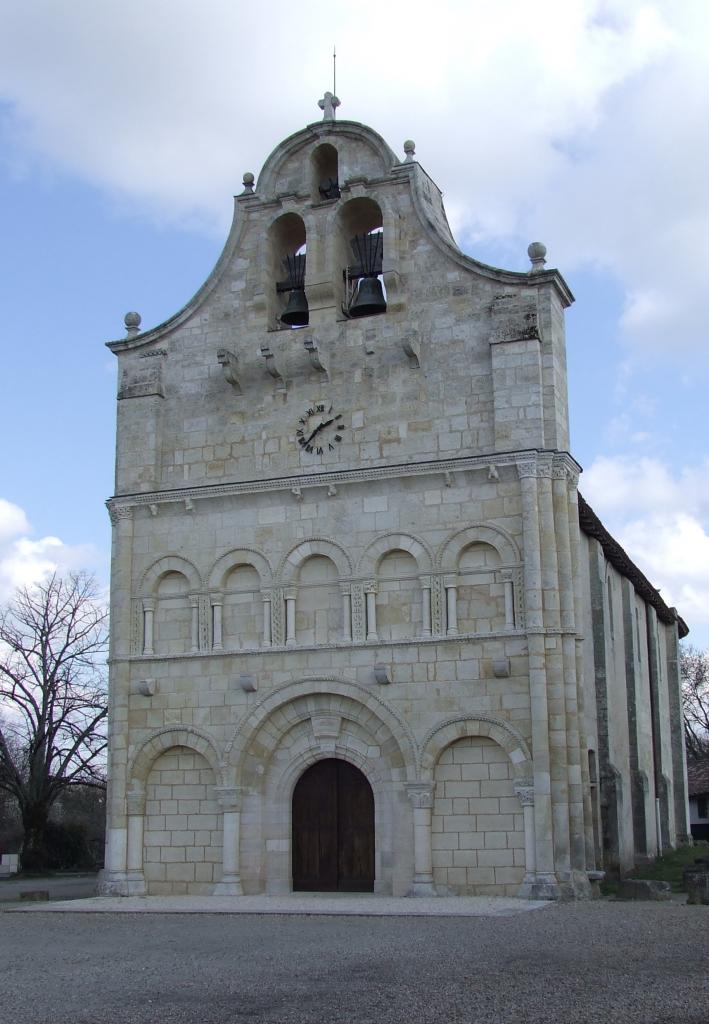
{"x":338,"y":477}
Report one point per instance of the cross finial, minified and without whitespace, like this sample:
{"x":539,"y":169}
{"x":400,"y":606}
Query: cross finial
{"x":328,"y":105}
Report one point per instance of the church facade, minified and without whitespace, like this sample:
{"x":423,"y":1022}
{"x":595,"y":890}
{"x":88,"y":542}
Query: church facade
{"x":365,"y":633}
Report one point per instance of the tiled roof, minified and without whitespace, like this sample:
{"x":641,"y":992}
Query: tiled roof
{"x":593,"y":527}
{"x":698,"y":776}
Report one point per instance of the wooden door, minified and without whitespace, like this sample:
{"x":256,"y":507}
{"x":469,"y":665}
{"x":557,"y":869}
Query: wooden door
{"x":333,"y":829}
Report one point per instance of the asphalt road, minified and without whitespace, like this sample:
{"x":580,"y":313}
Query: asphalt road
{"x":59,"y":887}
{"x":602,"y":962}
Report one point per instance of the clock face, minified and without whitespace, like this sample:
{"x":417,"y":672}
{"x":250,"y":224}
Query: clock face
{"x":320,"y":429}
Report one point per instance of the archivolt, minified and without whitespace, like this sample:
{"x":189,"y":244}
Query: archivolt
{"x":261,"y":728}
{"x":449,"y":552}
{"x":165,"y":739}
{"x":441,"y":736}
{"x":315,"y":546}
{"x":170,"y":563}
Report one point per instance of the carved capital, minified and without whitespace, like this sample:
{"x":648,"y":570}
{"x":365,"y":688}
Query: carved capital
{"x":117,"y":513}
{"x":527,"y":468}
{"x":148,"y":604}
{"x":228,"y":797}
{"x":525,"y":793}
{"x":370,"y":587}
{"x":420,"y":794}
{"x":216,"y":599}
{"x":135,"y":800}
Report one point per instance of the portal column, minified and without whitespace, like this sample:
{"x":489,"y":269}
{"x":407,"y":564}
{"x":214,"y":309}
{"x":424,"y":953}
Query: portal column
{"x":135,"y":808}
{"x":421,"y":796}
{"x":229,"y":799}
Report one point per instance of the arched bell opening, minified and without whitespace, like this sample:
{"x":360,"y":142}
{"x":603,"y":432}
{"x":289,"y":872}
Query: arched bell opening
{"x":360,"y":255}
{"x":333,"y":829}
{"x":325,"y":181}
{"x":289,"y":304}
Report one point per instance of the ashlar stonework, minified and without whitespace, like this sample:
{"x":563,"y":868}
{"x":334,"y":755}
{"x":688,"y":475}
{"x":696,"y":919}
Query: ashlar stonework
{"x":358,"y":538}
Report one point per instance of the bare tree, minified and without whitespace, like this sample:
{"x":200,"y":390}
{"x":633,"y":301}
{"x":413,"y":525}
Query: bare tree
{"x":694,"y":668}
{"x":53,"y":638}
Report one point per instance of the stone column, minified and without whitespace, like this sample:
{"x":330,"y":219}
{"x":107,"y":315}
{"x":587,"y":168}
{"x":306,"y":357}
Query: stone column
{"x":451,"y":585}
{"x":229,"y":799}
{"x":370,"y":590}
{"x":525,"y":795}
{"x":290,"y":617}
{"x":148,"y":619}
{"x":425,"y":606}
{"x":216,"y":601}
{"x":575,"y":542}
{"x":194,"y":624}
{"x":346,"y":612}
{"x":266,"y":598}
{"x":112,"y":878}
{"x":135,"y":807}
{"x":556,"y":694}
{"x":421,"y":796}
{"x":568,"y":624}
{"x":546,"y":884}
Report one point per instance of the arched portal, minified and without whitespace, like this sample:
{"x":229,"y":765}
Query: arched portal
{"x":333,"y":829}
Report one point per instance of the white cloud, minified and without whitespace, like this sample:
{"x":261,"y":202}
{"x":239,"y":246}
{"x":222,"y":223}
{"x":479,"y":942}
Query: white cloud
{"x":661,"y":517}
{"x":24,"y":561}
{"x":579,"y":122}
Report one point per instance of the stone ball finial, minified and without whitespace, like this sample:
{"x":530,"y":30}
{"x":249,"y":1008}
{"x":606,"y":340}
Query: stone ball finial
{"x":537,"y":253}
{"x":132,"y":322}
{"x":248,"y":182}
{"x":410,"y":150}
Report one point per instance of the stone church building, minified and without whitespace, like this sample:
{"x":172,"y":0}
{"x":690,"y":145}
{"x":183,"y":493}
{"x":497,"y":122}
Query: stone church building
{"x":365,"y":633}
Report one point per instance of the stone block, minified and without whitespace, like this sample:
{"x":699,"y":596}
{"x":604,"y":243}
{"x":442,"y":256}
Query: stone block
{"x":643,"y":889}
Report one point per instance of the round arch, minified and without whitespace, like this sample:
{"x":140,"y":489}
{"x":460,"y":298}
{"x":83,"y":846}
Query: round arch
{"x":169,"y":563}
{"x":451,"y":549}
{"x":504,"y":734}
{"x":165,"y":739}
{"x":240,"y":556}
{"x":375,"y":551}
{"x":262,"y":727}
{"x":315,"y":546}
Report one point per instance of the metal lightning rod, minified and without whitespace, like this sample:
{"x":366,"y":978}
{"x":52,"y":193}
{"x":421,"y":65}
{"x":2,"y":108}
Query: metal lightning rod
{"x":334,"y":77}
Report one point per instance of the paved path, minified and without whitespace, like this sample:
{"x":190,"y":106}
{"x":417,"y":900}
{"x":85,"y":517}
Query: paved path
{"x":590,"y":963}
{"x":320,"y":904}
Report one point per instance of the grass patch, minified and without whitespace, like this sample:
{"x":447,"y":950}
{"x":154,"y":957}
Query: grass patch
{"x":667,"y":868}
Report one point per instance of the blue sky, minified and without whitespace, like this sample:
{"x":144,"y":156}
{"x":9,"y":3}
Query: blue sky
{"x":125,"y":129}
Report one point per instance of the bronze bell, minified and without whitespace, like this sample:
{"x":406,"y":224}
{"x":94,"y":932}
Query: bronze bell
{"x":369,"y":298}
{"x":296,"y":313}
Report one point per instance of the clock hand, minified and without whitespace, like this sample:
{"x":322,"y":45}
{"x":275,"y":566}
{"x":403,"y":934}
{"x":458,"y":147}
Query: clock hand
{"x":325,"y":423}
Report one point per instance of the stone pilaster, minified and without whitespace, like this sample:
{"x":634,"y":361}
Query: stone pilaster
{"x":421,"y":796}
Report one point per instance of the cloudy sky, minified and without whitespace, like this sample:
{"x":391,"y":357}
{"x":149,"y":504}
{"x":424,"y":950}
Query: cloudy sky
{"x":126,"y":126}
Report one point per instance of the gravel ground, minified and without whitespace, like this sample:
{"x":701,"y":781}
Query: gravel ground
{"x":601,"y":962}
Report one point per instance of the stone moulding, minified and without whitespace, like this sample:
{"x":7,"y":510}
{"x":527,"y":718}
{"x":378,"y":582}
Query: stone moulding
{"x":337,"y":477}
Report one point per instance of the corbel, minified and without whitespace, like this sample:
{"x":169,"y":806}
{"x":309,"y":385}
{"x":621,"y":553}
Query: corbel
{"x":229,"y":362}
{"x":492,"y":473}
{"x":189,"y":505}
{"x":269,"y":356}
{"x":412,"y":348}
{"x":153,"y":509}
{"x":315,"y":357}
{"x":297,"y":493}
